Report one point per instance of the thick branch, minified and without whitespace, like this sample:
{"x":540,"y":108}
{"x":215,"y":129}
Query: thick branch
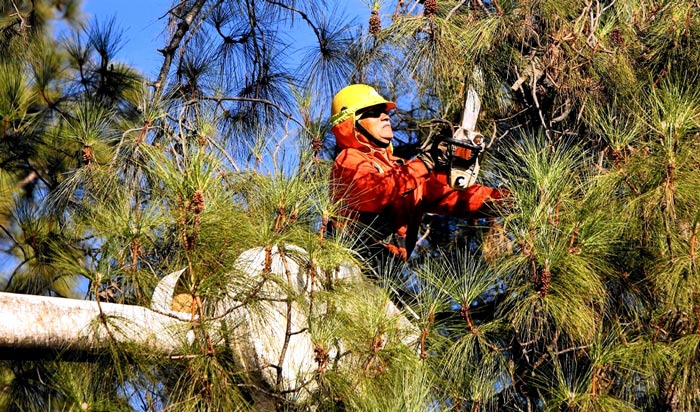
{"x":169,"y":51}
{"x":47,"y":323}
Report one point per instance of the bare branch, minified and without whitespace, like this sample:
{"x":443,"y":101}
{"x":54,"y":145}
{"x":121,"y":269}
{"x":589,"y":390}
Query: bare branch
{"x":169,"y":51}
{"x":454,"y":9}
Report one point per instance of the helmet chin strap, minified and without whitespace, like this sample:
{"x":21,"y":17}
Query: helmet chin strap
{"x":370,"y":137}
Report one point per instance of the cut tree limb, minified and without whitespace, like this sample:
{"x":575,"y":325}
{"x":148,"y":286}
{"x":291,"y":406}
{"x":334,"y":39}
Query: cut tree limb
{"x":270,"y":339}
{"x":47,"y":323}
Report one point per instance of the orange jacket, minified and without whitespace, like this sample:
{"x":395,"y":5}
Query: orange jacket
{"x":390,"y":195}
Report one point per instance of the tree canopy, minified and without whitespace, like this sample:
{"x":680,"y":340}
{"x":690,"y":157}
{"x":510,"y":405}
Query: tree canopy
{"x":583,"y":296}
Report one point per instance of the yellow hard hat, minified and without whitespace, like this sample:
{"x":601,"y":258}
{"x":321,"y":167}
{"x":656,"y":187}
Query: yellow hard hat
{"x":355,"y":97}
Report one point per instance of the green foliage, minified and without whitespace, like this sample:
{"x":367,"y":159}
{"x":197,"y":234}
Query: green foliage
{"x":587,"y":301}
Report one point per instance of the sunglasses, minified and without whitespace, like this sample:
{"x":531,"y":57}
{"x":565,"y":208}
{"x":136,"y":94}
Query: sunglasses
{"x":373,"y":113}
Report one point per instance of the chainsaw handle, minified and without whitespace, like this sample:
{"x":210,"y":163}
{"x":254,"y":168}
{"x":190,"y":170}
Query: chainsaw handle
{"x":464,"y":143}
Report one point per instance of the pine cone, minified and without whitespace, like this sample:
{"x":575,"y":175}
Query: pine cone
{"x":545,"y":279}
{"x":375,"y":23}
{"x":198,"y":202}
{"x":88,"y":155}
{"x":430,"y":8}
{"x":617,"y":38}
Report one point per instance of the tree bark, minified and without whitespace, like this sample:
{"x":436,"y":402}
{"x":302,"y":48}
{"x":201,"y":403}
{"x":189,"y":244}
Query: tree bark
{"x":272,"y":342}
{"x":41,"y":323}
{"x":169,"y":51}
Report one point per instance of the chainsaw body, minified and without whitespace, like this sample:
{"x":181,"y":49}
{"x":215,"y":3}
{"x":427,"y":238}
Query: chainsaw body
{"x":464,"y":159}
{"x":466,"y":144}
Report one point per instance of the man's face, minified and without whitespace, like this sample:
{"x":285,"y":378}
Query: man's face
{"x":376,"y":120}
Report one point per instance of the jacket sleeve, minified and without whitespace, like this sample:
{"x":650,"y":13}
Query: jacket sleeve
{"x":370,"y":186}
{"x":474,"y":201}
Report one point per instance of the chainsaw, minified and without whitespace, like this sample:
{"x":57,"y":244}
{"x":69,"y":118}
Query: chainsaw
{"x":466,"y":143}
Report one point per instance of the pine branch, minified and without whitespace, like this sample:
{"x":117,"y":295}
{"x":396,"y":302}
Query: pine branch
{"x":304,"y":16}
{"x":169,"y":51}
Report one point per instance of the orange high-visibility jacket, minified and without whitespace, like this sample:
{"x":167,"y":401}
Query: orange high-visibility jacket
{"x":390,"y":194}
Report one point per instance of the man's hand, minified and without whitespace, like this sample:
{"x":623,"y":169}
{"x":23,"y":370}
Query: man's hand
{"x":436,"y":156}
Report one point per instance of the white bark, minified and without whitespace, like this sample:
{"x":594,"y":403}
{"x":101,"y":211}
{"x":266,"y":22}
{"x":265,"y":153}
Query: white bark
{"x":40,"y":322}
{"x":266,"y":347}
{"x":271,"y":340}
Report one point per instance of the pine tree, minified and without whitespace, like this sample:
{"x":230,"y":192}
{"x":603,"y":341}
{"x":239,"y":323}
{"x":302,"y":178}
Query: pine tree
{"x":582,"y":296}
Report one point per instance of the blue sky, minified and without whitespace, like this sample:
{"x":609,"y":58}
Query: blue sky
{"x":142,"y":23}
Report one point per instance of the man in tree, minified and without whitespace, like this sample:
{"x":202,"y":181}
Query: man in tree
{"x":385,"y":194}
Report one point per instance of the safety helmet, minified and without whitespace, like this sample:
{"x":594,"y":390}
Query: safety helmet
{"x":355,"y":97}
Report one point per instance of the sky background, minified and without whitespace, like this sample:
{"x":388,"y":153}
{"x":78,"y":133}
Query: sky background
{"x":142,"y":23}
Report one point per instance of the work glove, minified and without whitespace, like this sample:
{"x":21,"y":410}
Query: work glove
{"x":435,"y":155}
